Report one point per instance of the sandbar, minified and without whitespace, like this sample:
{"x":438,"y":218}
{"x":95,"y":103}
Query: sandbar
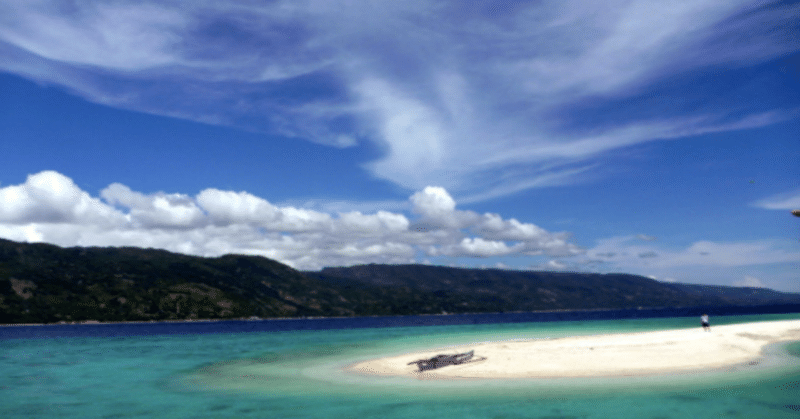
{"x":610,"y":355}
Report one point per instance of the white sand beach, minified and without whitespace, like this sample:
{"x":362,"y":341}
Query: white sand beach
{"x":626,"y":354}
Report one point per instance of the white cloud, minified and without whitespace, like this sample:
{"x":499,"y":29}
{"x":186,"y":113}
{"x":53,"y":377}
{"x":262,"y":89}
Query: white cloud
{"x":236,"y":207}
{"x":483,"y":104}
{"x":749,"y":281}
{"x":479,"y":247}
{"x":372,"y":223}
{"x":412,"y":131}
{"x":49,"y":207}
{"x":50,"y":197}
{"x":433,"y":202}
{"x":560,"y":265}
{"x":703,"y":261}
{"x":301,"y":220}
{"x":734,"y":254}
{"x":158,"y":210}
{"x":438,"y":210}
{"x":26,"y":233}
{"x":625,"y":252}
{"x":119,"y":194}
{"x":782,"y":201}
{"x":494,"y":226}
{"x":173,"y":210}
{"x":555,"y":265}
{"x":114,"y":36}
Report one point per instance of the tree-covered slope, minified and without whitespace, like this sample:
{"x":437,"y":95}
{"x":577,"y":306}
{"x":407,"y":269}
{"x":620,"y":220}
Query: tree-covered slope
{"x":41,"y":283}
{"x":45,"y":283}
{"x":507,"y":290}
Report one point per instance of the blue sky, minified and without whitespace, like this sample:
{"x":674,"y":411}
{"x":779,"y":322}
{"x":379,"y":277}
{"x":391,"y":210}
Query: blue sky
{"x":655,"y":138}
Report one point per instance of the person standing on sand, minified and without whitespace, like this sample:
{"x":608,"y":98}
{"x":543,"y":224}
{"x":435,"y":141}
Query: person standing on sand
{"x":704,"y":322}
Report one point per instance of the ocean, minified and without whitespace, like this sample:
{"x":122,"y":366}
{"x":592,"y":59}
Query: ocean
{"x":294,"y":369}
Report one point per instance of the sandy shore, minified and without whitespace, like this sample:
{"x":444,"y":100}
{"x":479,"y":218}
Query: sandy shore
{"x":628,"y":354}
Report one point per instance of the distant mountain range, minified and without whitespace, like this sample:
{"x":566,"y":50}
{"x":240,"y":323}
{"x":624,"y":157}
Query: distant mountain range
{"x":42,"y":283}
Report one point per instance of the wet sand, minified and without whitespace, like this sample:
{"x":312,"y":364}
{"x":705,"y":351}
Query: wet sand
{"x":612,"y":355}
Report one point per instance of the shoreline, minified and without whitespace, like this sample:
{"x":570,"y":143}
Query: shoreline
{"x":255,"y":318}
{"x":651,"y":353}
{"x":732,"y":310}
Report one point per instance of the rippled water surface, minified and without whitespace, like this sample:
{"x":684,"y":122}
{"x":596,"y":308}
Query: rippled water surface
{"x":299,"y":374}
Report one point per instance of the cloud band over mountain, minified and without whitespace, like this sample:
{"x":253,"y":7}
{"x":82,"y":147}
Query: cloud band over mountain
{"x":50,"y":207}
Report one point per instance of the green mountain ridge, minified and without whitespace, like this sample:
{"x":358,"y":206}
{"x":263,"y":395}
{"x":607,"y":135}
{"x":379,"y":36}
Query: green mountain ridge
{"x":43,"y":283}
{"x":541,"y":290}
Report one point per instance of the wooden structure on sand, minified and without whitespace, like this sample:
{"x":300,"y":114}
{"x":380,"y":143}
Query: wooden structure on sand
{"x":444,"y":360}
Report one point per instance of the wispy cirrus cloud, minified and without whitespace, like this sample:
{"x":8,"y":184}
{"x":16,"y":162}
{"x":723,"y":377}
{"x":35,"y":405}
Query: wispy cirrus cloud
{"x":770,"y":263}
{"x":782,"y":201}
{"x":485,"y":99}
{"x":736,"y":263}
{"x":632,"y":253}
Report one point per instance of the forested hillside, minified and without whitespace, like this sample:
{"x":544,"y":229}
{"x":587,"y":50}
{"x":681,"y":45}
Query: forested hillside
{"x":42,"y":283}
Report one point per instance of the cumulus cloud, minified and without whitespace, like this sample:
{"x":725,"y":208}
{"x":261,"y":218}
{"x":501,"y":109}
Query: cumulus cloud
{"x":50,"y":197}
{"x":494,"y":226}
{"x":158,"y":210}
{"x":482,"y":101}
{"x":227,"y":207}
{"x":437,"y":210}
{"x":433,"y":202}
{"x":479,"y":247}
{"x":382,"y":221}
{"x":49,"y":207}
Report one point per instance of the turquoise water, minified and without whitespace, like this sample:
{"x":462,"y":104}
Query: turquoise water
{"x":299,"y":375}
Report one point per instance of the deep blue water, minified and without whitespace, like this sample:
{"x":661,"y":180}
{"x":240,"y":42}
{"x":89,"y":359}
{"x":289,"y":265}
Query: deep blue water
{"x":276,"y":325}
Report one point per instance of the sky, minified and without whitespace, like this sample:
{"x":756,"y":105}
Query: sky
{"x":652,"y":138}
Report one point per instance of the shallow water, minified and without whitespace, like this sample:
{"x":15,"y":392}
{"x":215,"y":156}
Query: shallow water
{"x":298,"y":374}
